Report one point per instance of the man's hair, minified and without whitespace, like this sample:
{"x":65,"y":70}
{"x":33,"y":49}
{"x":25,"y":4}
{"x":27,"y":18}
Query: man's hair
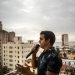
{"x":49,"y":35}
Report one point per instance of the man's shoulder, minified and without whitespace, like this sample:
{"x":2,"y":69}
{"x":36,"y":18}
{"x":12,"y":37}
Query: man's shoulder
{"x":52,"y":53}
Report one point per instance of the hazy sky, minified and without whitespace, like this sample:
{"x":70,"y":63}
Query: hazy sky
{"x":29,"y":17}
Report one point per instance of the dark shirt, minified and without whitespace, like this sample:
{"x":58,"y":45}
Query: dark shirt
{"x":49,"y":61}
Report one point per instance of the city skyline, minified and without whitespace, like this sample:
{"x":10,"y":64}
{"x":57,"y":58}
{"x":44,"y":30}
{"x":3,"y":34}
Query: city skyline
{"x":27,"y":18}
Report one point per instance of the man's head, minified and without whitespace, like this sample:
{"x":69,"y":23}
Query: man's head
{"x":49,"y":36}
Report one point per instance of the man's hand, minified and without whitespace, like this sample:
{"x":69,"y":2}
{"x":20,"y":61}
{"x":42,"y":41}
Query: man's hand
{"x":24,"y":70}
{"x":35,"y":49}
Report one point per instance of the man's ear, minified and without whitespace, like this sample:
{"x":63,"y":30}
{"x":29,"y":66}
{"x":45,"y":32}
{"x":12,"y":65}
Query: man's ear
{"x":48,"y":40}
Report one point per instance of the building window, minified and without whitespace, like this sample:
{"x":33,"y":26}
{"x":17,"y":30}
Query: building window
{"x":4,"y":46}
{"x":10,"y":64}
{"x":10,"y":51}
{"x":18,"y":61}
{"x":10,"y":56}
{"x":17,"y":47}
{"x":4,"y":63}
{"x":10,"y":60}
{"x":4,"y":55}
{"x":18,"y":56}
{"x":4,"y":51}
{"x":18,"y":52}
{"x":22,"y":47}
{"x":4,"y":59}
{"x":10,"y":47}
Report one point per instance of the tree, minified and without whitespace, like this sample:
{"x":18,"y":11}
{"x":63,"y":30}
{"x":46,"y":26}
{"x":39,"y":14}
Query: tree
{"x":4,"y":70}
{"x":70,"y":70}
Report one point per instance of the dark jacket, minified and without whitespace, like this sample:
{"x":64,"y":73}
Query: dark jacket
{"x":49,"y":61}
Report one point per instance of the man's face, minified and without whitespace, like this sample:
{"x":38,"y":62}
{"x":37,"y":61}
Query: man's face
{"x":43,"y":42}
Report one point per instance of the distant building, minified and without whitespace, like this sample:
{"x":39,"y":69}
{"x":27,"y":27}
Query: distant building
{"x":18,"y":39}
{"x":5,"y":37}
{"x":0,"y":25}
{"x":71,"y":56}
{"x":30,"y":41}
{"x":69,"y":62}
{"x":65,"y":40}
{"x":15,"y":53}
{"x":11,"y":36}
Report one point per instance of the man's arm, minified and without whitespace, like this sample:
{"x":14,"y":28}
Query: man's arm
{"x":34,"y":61}
{"x":54,"y":64}
{"x":24,"y":70}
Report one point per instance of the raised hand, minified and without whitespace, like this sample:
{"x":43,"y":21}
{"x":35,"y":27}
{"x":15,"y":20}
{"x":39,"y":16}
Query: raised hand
{"x":24,"y":70}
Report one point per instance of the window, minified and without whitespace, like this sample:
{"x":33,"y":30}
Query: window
{"x":10,"y":60}
{"x":10,"y":51}
{"x":10,"y":47}
{"x":18,"y":61}
{"x":18,"y":56}
{"x":10,"y":56}
{"x":4,"y":63}
{"x":4,"y":51}
{"x":18,"y":52}
{"x":4,"y":59}
{"x":4,"y":55}
{"x":10,"y":64}
{"x":22,"y":47}
{"x":4,"y":46}
{"x":17,"y":47}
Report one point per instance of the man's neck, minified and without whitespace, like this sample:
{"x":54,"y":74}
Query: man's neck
{"x":47,"y":47}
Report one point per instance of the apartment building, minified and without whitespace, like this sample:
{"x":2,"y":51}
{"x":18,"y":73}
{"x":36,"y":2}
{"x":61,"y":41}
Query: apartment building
{"x":5,"y":36}
{"x":3,"y":39}
{"x":65,"y":40}
{"x":15,"y":53}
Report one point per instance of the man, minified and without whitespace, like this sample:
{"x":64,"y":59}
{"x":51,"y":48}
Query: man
{"x":49,"y":62}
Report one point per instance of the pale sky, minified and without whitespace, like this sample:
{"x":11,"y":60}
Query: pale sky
{"x":27,"y":18}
